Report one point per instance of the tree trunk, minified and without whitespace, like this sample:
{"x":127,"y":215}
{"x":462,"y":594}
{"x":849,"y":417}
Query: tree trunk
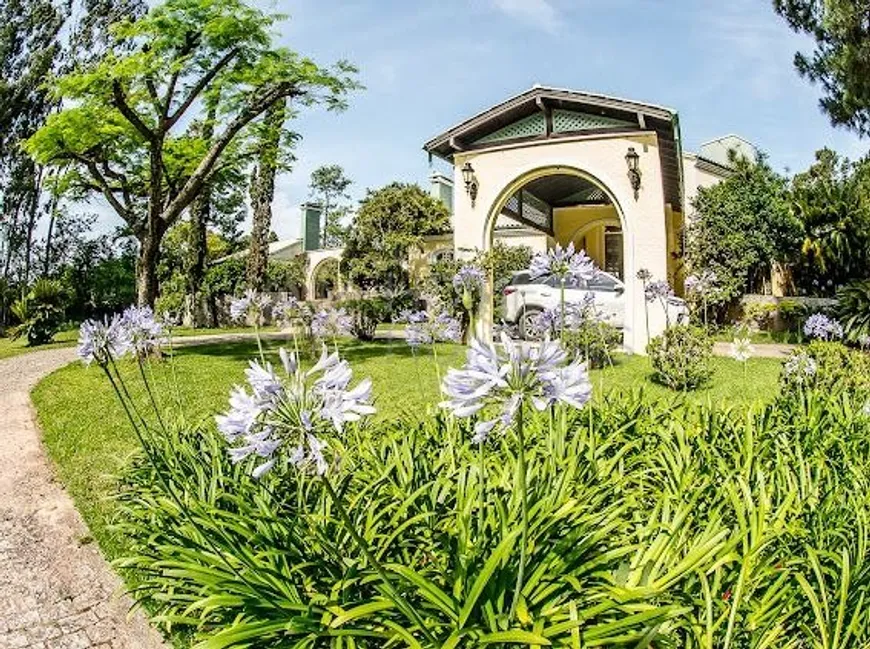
{"x":52,"y":215}
{"x":146,"y":268}
{"x":200,"y":215}
{"x":262,"y":193}
{"x":32,"y":218}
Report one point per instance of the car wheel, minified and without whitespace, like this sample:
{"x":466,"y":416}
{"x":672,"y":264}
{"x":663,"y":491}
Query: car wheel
{"x":529,"y":329}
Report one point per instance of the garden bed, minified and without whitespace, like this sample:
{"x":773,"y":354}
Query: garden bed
{"x":89,"y":438}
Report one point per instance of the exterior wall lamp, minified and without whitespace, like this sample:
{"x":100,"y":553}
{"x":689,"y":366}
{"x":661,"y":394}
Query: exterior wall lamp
{"x":632,"y":159}
{"x":470,"y":181}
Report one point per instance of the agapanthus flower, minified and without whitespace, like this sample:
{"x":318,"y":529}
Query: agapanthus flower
{"x":295,"y":414}
{"x":468,"y":282}
{"x":506,"y":379}
{"x":251,"y":306}
{"x":644,"y":275}
{"x":426,"y":328}
{"x":144,"y":331}
{"x":800,"y":367}
{"x":742,"y":349}
{"x":101,"y":341}
{"x":822,"y":327}
{"x":331,"y":323}
{"x":576,"y":314}
{"x":702,"y":283}
{"x":658,"y":290}
{"x":562,"y":263}
{"x":286,"y":310}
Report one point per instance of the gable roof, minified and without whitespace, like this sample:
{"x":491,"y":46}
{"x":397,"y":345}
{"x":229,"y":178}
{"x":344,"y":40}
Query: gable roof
{"x":600,"y":113}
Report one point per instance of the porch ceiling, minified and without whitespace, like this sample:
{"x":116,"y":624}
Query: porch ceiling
{"x":633,"y":115}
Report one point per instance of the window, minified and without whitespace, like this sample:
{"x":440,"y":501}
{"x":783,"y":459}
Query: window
{"x":602,"y":282}
{"x":613,"y":257}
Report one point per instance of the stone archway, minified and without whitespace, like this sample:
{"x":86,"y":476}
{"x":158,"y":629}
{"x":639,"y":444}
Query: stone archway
{"x":318,"y":261}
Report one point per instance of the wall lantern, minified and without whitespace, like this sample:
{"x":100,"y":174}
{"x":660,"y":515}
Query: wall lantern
{"x":470,"y":181}
{"x":632,"y":159}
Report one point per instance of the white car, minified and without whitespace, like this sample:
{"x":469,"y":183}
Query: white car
{"x":526,"y":298}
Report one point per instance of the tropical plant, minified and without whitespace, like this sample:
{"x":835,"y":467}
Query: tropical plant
{"x":40,"y":312}
{"x":681,"y":356}
{"x":853,"y":310}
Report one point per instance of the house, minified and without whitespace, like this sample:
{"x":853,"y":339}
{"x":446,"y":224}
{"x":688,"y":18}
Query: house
{"x":609,"y":175}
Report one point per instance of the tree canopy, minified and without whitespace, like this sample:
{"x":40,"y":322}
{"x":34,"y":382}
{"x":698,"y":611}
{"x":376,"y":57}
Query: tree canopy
{"x":125,"y":131}
{"x":391,"y":221}
{"x":840,"y":63}
{"x":741,"y":226}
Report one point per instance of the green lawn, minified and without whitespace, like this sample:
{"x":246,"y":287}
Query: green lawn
{"x":9,"y":347}
{"x":88,"y":438}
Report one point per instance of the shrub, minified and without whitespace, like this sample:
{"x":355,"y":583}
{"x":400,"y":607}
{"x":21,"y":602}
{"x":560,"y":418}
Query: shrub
{"x":830,"y":367}
{"x":681,"y":357}
{"x":792,"y":313}
{"x":367,"y":314}
{"x":594,"y":340}
{"x":646,"y":531}
{"x":40,"y":312}
{"x":853,"y":310}
{"x":759,"y":315}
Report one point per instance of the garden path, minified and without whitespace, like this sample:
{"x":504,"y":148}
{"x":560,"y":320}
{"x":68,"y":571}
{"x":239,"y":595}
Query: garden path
{"x":56,"y":589}
{"x":762,"y":350}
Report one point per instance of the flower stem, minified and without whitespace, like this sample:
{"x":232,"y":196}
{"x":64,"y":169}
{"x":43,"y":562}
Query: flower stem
{"x":524,"y":501}
{"x":363,"y":546}
{"x":259,"y":341}
{"x":562,"y":307}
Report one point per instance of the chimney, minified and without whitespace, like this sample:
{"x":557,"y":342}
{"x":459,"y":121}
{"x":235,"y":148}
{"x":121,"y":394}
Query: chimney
{"x":441,"y":187}
{"x":311,"y":214}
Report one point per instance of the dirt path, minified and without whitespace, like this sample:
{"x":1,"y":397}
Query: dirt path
{"x":56,"y":590}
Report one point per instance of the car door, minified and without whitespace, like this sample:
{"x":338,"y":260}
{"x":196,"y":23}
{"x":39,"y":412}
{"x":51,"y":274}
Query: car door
{"x":609,"y":297}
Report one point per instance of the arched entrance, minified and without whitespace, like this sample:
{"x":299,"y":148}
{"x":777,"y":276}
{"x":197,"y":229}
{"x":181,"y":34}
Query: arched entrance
{"x":547,"y":140}
{"x":323,"y":279}
{"x":568,"y":206}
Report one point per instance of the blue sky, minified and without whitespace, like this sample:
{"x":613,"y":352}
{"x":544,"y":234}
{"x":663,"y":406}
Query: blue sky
{"x":427,"y":64}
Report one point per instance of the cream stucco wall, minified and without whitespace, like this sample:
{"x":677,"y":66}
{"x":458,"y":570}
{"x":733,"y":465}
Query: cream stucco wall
{"x":500,"y":171}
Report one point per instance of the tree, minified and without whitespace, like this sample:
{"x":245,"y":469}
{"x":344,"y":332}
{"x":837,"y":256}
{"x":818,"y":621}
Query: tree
{"x":741,"y":227}
{"x":841,"y":60}
{"x":831,"y":201}
{"x":122,"y":131}
{"x":328,"y":188}
{"x":269,"y":160}
{"x":29,"y":48}
{"x":390,"y":222}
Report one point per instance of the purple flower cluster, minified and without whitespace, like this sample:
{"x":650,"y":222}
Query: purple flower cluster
{"x":644,"y":275}
{"x":563,"y":263}
{"x":286,"y":310}
{"x":425,"y":328}
{"x":294,"y":413}
{"x":331,"y":323}
{"x":701,"y":284}
{"x":822,"y":327}
{"x":508,"y":377}
{"x":134,"y":331}
{"x":658,"y":290}
{"x":251,"y":307}
{"x":576,"y":315}
{"x":800,"y":367}
{"x":469,"y":278}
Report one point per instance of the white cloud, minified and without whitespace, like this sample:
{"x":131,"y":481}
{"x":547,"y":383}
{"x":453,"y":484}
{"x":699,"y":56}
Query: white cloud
{"x":540,"y":13}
